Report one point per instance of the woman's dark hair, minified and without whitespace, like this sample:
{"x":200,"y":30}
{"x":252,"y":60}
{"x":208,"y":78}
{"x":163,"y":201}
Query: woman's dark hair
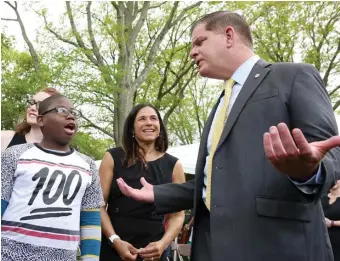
{"x":130,"y":144}
{"x":23,"y":127}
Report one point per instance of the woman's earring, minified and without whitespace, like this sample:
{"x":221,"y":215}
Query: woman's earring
{"x":133,"y":134}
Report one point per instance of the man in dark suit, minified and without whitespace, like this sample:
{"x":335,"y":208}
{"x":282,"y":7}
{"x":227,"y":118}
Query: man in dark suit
{"x":259,"y":176}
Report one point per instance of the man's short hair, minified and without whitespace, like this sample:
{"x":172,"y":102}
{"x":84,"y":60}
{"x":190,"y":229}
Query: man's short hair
{"x":45,"y":104}
{"x":218,"y":21}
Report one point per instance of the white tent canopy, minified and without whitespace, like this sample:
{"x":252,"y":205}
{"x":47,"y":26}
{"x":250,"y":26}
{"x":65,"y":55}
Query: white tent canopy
{"x":187,"y":154}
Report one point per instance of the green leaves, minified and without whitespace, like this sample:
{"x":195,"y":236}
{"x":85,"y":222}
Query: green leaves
{"x":132,"y":57}
{"x":88,"y":145}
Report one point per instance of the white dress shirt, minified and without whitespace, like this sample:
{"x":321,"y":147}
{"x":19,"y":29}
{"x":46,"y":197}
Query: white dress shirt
{"x":240,"y":76}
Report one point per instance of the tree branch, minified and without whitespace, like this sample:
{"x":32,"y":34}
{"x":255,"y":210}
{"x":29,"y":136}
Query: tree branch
{"x":336,"y":105}
{"x":114,"y":4}
{"x":34,"y":54}
{"x":58,"y":36}
{"x":156,"y":6}
{"x":12,"y":6}
{"x":140,"y":22}
{"x":178,"y":78}
{"x":334,"y":90}
{"x":121,"y":28}
{"x":95,"y":47}
{"x":159,"y":39}
{"x":9,"y":19}
{"x":164,"y":80}
{"x":330,"y":65}
{"x":184,"y":11}
{"x":77,"y":35}
{"x":135,"y":10}
{"x":90,"y":123}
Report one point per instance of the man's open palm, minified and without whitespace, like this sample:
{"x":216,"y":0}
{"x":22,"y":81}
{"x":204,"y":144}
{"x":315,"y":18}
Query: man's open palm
{"x":144,"y":194}
{"x":291,"y":153}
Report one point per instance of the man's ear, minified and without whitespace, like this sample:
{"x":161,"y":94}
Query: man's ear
{"x":229,"y":36}
{"x":40,"y":120}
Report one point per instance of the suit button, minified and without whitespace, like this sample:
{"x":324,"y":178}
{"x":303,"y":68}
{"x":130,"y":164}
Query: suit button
{"x":152,"y":214}
{"x":117,"y":210}
{"x":218,"y":167}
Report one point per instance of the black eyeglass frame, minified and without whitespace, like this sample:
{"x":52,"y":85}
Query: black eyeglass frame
{"x":75,"y":113}
{"x":31,"y":102}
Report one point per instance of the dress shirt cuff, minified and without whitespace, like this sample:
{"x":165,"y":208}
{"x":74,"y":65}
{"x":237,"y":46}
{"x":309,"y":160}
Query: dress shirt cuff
{"x":312,"y":185}
{"x":317,"y":179}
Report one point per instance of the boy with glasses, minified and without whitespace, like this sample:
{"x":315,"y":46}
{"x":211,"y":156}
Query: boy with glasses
{"x":50,"y":194}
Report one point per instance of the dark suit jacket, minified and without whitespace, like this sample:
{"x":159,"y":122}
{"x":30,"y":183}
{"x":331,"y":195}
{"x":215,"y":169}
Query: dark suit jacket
{"x":257,"y":213}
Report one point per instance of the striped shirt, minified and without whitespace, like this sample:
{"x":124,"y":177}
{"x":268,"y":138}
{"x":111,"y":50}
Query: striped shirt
{"x":46,"y":192}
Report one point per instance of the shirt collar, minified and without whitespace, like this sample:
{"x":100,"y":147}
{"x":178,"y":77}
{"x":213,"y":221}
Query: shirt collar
{"x":241,"y":74}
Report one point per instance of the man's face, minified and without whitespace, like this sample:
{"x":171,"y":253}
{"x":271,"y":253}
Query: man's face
{"x":210,"y":52}
{"x":58,"y":128}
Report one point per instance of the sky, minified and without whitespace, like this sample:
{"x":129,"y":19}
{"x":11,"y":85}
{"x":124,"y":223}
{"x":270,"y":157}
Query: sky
{"x":32,"y":21}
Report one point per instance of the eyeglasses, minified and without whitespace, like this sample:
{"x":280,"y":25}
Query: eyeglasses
{"x":31,"y":102}
{"x":64,"y":112}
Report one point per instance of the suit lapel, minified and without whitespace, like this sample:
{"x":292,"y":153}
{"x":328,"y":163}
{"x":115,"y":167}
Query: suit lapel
{"x":257,"y":74}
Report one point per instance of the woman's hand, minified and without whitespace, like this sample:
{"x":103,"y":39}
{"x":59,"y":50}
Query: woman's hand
{"x":125,"y":250}
{"x":328,"y":222}
{"x":153,"y":251}
{"x":334,"y":193}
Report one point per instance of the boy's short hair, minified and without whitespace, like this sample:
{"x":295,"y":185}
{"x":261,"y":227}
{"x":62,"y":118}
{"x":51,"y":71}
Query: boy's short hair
{"x":45,"y":104}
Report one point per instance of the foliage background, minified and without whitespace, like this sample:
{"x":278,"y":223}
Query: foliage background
{"x":109,"y":56}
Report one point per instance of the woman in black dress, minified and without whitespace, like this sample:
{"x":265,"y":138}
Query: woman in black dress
{"x":128,"y":225}
{"x":28,"y":130}
{"x":332,"y":216}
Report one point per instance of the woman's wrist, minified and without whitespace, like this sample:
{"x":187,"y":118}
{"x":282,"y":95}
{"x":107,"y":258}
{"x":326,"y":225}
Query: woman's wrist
{"x":164,"y":243}
{"x":116,"y":244}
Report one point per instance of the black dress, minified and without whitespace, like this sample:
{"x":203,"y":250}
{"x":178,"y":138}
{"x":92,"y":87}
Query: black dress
{"x":332,"y":212}
{"x":135,"y":222}
{"x":17,"y":140}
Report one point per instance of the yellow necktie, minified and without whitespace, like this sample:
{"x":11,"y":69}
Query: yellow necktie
{"x":216,"y":135}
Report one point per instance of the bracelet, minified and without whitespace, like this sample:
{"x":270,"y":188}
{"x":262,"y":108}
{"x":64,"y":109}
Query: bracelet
{"x":113,"y":238}
{"x":332,"y":223}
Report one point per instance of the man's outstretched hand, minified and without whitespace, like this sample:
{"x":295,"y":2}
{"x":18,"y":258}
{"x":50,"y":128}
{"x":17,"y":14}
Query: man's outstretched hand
{"x":144,"y":194}
{"x":291,"y":153}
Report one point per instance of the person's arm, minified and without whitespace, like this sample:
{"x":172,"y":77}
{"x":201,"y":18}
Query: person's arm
{"x":313,"y":142}
{"x":310,"y":186}
{"x":90,"y":230}
{"x":168,"y":198}
{"x":155,"y":249}
{"x":335,"y":223}
{"x":313,"y":114}
{"x":6,"y":137}
{"x":124,"y":249}
{"x":90,"y":234}
{"x":176,"y":220}
{"x":173,"y":197}
{"x":8,"y":167}
{"x":332,"y":223}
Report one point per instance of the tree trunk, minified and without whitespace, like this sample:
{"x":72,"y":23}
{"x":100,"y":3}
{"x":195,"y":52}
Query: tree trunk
{"x":123,"y":108}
